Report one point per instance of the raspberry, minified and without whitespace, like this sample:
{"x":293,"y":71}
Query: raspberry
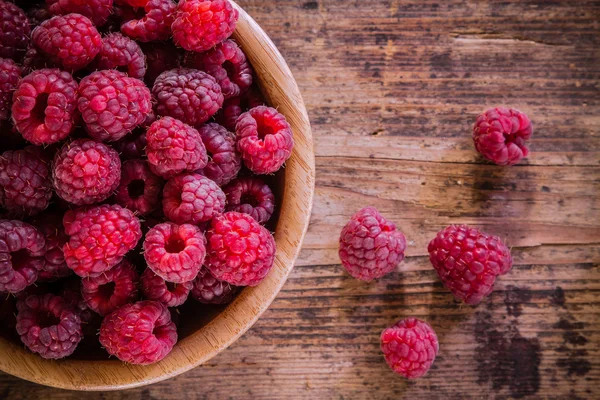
{"x":132,"y":145}
{"x":264,"y":138}
{"x":409,"y":347}
{"x":192,"y":198}
{"x":14,"y":32}
{"x":86,"y":172}
{"x":133,"y":3}
{"x":38,"y":14}
{"x":209,"y":290}
{"x":240,"y":250}
{"x":370,"y":245}
{"x":155,"y":25}
{"x":111,"y":289}
{"x":160,"y":57}
{"x":174,"y":147}
{"x":139,"y":189}
{"x":468,"y":261}
{"x":224,"y":161}
{"x":189,"y":95}
{"x":55,"y":267}
{"x":202,"y":24}
{"x":121,"y":53}
{"x":250,"y":196}
{"x":170,"y":294}
{"x":501,"y":135}
{"x":235,"y":106}
{"x":35,"y":59}
{"x":97,"y":11}
{"x":112,"y":104}
{"x":10,"y":73}
{"x":70,"y":40}
{"x":99,"y":238}
{"x":48,"y":326}
{"x":25,"y":187}
{"x":45,"y":106}
{"x":175,"y":252}
{"x":21,"y":250}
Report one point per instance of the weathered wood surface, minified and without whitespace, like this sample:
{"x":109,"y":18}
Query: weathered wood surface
{"x":392,"y":89}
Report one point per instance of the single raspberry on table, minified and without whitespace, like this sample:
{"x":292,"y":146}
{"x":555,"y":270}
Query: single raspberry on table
{"x":22,"y":249}
{"x":121,"y":53}
{"x":97,"y":11}
{"x":70,"y":40}
{"x":189,"y":95}
{"x":55,"y":266}
{"x":175,"y":252}
{"x":224,"y":162}
{"x":409,"y":347}
{"x":139,"y":189}
{"x":240,"y":250}
{"x":112,"y":289}
{"x":160,"y":57}
{"x":14,"y":35}
{"x":192,"y":199}
{"x":209,"y":290}
{"x":170,"y":294}
{"x":468,"y":261}
{"x":86,"y":172}
{"x":236,"y":106}
{"x":48,"y":325}
{"x":132,"y":145}
{"x":44,"y":106}
{"x":252,"y":196}
{"x":10,"y":73}
{"x":156,"y":23}
{"x":140,"y":333}
{"x":501,"y":135}
{"x":370,"y":245}
{"x":99,"y":238}
{"x":264,"y":138}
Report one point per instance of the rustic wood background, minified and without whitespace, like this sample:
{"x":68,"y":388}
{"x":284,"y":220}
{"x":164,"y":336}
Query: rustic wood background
{"x":393,"y":88}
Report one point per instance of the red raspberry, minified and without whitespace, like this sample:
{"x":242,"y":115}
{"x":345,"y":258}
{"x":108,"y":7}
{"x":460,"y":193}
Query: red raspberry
{"x":250,"y":196}
{"x":264,"y":138}
{"x":202,"y":24}
{"x":224,"y":161}
{"x":55,"y":267}
{"x":25,"y":187}
{"x":99,"y":238}
{"x":10,"y":73}
{"x":175,"y":252}
{"x":133,"y":3}
{"x":468,"y":261}
{"x":139,"y":189}
{"x":236,"y":106}
{"x":160,"y":57}
{"x":97,"y":11}
{"x":170,"y":294}
{"x":501,"y":135}
{"x":48,"y":325}
{"x":86,"y":172}
{"x":240,"y":250}
{"x":38,"y":14}
{"x":370,"y":245}
{"x":209,"y":290}
{"x":111,"y":289}
{"x":192,"y":198}
{"x":112,"y":104}
{"x":187,"y":94}
{"x":14,"y":35}
{"x":121,"y":53}
{"x":174,"y":147}
{"x":70,"y":40}
{"x":155,"y":25}
{"x":132,"y":145}
{"x":21,"y":250}
{"x":410,"y":347}
{"x":45,"y":106}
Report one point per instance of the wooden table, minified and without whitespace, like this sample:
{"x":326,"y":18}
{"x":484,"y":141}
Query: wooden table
{"x":393,"y":88}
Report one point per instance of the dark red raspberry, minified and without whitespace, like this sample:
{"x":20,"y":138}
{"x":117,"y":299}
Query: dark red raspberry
{"x":468,"y":261}
{"x":45,"y":106}
{"x":227,"y":63}
{"x":99,"y":238}
{"x":38,"y":14}
{"x":264,"y":138}
{"x":70,"y":40}
{"x":192,"y":199}
{"x":409,"y":347}
{"x":139,"y":189}
{"x":112,"y":104}
{"x":48,"y":325}
{"x":174,"y":147}
{"x":224,"y":161}
{"x":121,"y":53}
{"x":240,"y":250}
{"x":155,"y":25}
{"x":170,"y":294}
{"x":55,"y":267}
{"x":112,"y":289}
{"x":202,"y":24}
{"x":175,"y":252}
{"x":160,"y":57}
{"x":86,"y":172}
{"x":251,"y":196}
{"x":14,"y":32}
{"x":236,"y":106}
{"x":22,"y":248}
{"x":209,"y":290}
{"x":35,"y":59}
{"x":370,"y":245}
{"x":10,"y":73}
{"x":120,"y":15}
{"x":189,"y":95}
{"x":132,"y":145}
{"x":501,"y":135}
{"x":97,"y":11}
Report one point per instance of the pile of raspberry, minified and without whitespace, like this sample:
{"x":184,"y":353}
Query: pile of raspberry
{"x":136,"y":155}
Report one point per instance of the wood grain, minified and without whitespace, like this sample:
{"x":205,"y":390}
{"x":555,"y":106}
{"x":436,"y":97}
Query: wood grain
{"x":392,"y":88}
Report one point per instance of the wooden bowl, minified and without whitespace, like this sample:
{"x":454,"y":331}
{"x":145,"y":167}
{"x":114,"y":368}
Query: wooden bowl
{"x":296,"y":194}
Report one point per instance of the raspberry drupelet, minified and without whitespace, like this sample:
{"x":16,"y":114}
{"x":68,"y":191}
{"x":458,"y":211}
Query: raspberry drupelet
{"x":139,"y":189}
{"x":55,"y":266}
{"x":252,"y":196}
{"x":224,"y":162}
{"x":156,"y":23}
{"x":112,"y":289}
{"x":121,"y":53}
{"x":14,"y":35}
{"x":97,"y":11}
{"x":10,"y":73}
{"x":209,"y":290}
{"x":236,"y":106}
{"x":170,"y":294}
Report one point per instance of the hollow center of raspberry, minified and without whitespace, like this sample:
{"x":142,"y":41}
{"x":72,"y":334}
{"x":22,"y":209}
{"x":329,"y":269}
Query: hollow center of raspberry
{"x":19,"y":258}
{"x":229,"y":67}
{"x":39,"y":110}
{"x":174,"y":245}
{"x":248,"y":198}
{"x":264,"y":128}
{"x":106,"y":291}
{"x":46,"y":319}
{"x":135,"y":189}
